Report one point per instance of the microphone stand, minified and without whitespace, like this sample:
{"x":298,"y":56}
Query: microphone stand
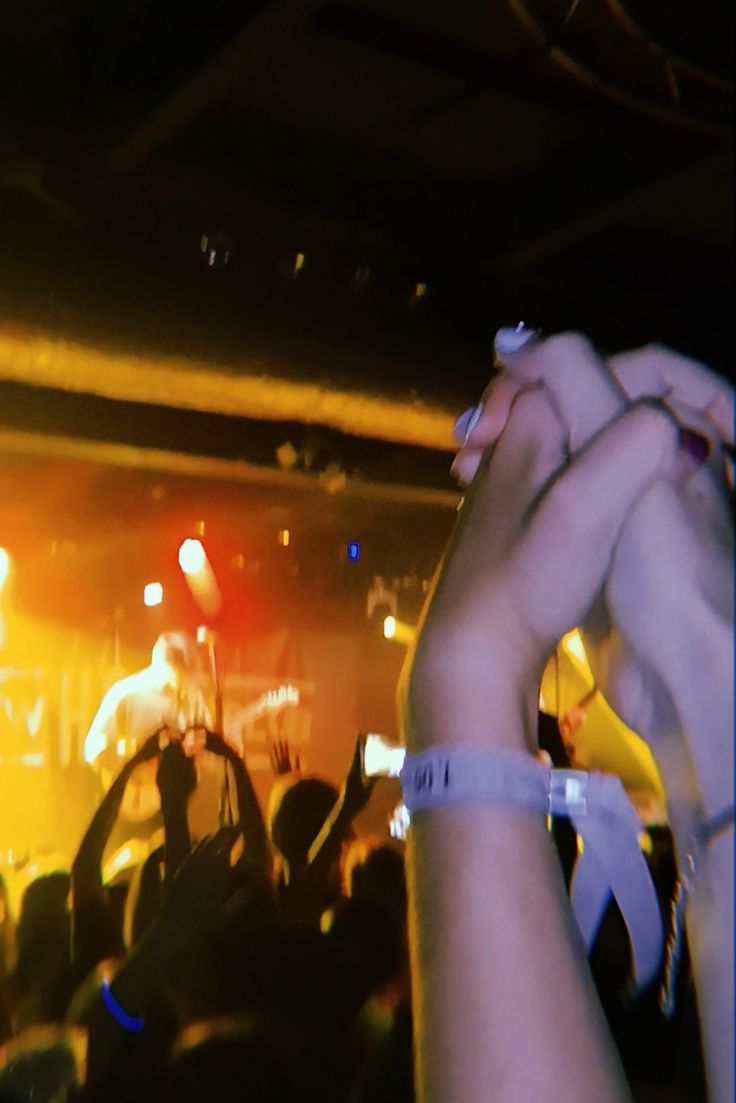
{"x":225,"y":811}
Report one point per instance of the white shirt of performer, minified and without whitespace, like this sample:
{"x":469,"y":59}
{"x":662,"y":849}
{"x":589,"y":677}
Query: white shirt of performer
{"x":137,"y":706}
{"x":166,"y":693}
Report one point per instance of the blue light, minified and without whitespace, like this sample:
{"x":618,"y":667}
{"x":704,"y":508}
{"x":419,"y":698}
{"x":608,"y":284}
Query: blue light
{"x":353,"y":551}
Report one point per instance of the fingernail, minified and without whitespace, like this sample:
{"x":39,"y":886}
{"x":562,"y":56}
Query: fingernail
{"x":467,"y":422}
{"x":512,"y":339}
{"x":695,"y":445}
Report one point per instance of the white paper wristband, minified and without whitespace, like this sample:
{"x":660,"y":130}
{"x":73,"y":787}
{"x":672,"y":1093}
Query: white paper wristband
{"x":612,"y":862}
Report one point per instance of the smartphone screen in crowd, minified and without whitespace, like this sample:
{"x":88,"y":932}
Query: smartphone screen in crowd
{"x":381,"y":757}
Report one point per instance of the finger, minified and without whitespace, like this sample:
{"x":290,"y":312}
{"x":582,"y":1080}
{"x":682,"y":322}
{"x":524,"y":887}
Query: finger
{"x":532,"y":447}
{"x":683,"y":383}
{"x":585,"y":390}
{"x":574,"y":529}
{"x":482,"y":425}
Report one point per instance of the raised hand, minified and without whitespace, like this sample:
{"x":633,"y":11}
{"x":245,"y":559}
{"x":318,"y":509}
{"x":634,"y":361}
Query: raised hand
{"x":257,"y":851}
{"x":513,"y":581}
{"x":176,"y":776}
{"x":526,"y":516}
{"x":357,"y":788}
{"x":659,"y":631}
{"x":282,"y":759}
{"x":677,"y":541}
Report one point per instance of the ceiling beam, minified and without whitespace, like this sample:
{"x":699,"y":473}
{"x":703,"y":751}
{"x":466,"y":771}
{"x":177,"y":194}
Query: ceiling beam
{"x":589,"y":223}
{"x":248,"y":389}
{"x":248,"y":50}
{"x":163,"y":461}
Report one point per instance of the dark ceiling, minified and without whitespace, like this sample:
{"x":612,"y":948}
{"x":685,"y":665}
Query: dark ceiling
{"x":355,"y":193}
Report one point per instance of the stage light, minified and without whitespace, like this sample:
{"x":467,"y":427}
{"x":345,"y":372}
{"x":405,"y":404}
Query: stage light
{"x":574,"y":645}
{"x":353,"y":551}
{"x":4,"y":566}
{"x":200,"y":576}
{"x":192,"y":556}
{"x":284,"y":538}
{"x":398,"y":631}
{"x":153,"y":594}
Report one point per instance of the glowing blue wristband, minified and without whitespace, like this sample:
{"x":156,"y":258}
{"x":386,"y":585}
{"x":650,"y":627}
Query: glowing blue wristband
{"x":132,"y":1023}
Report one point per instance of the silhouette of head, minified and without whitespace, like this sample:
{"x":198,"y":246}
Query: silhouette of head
{"x":298,"y":811}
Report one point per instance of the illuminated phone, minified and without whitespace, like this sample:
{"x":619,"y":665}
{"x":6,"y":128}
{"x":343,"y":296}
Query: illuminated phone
{"x":381,"y":757}
{"x":400,"y":822}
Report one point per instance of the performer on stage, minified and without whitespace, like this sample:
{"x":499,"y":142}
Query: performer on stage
{"x":167,"y":694}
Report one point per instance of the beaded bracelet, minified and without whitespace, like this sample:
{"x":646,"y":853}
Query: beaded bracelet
{"x":685,"y":882}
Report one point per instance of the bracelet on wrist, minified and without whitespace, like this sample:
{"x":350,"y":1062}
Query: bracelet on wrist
{"x":132,"y":1023}
{"x":701,"y":838}
{"x":611,"y":864}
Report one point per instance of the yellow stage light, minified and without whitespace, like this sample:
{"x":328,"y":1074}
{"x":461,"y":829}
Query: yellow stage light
{"x":573,"y":643}
{"x":4,"y":566}
{"x":284,"y":538}
{"x":192,"y":556}
{"x":153,"y":594}
{"x":400,"y":631}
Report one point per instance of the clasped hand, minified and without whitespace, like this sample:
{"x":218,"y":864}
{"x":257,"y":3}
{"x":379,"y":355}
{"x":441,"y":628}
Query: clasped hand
{"x":590,"y":502}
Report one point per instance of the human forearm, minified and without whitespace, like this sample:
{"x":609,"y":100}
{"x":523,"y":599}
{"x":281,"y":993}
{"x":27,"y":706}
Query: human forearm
{"x":148,"y":896}
{"x":177,"y":840}
{"x":707,"y":661}
{"x":252,"y":825}
{"x":327,"y":846}
{"x":707,"y":866}
{"x":140,"y":976}
{"x":87,"y":866}
{"x":498,"y":969}
{"x":498,"y":966}
{"x":176,"y":779}
{"x":353,"y":797}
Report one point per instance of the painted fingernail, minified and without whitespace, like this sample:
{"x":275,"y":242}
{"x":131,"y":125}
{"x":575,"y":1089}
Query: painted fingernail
{"x":695,"y":445}
{"x":467,"y":422}
{"x":512,"y":339}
